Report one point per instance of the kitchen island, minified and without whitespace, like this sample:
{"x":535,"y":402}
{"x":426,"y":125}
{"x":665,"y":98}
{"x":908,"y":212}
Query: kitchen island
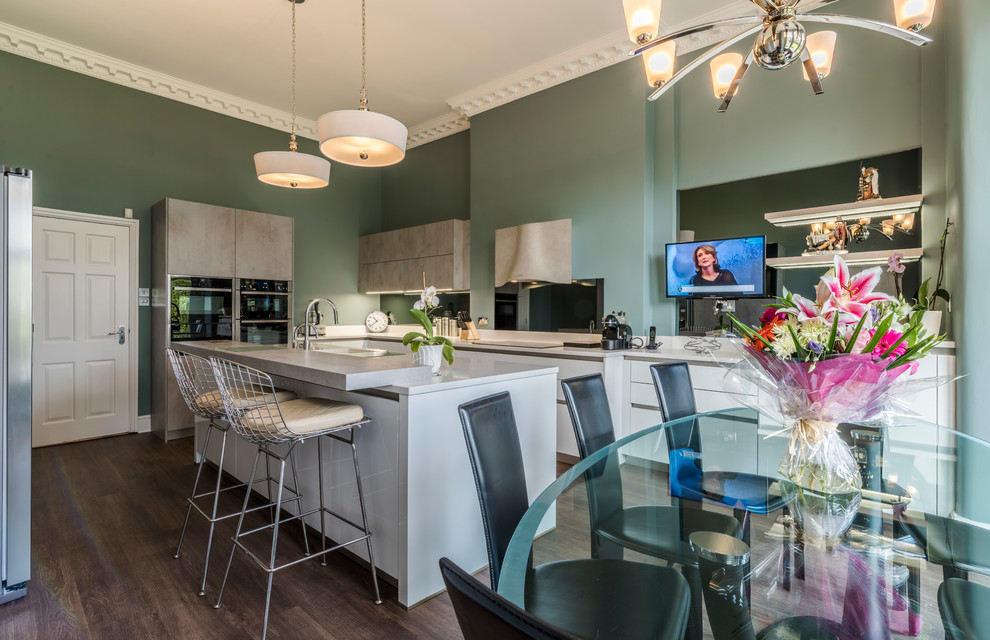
{"x":418,"y":485}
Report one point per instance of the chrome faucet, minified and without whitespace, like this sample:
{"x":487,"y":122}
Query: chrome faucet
{"x":309,"y":307}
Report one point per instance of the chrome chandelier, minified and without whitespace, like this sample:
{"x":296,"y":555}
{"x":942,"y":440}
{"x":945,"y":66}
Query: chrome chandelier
{"x":781,"y":40}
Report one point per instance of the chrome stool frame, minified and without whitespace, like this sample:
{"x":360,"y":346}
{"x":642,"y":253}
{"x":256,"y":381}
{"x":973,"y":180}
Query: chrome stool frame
{"x":201,"y":394}
{"x":263,"y":423}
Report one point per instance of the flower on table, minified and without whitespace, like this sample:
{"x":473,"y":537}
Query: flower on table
{"x":814,"y":330}
{"x":888,"y":340}
{"x":844,"y":319}
{"x":419,"y":305}
{"x":783,"y":343}
{"x":851,"y":296}
{"x":772,"y":314}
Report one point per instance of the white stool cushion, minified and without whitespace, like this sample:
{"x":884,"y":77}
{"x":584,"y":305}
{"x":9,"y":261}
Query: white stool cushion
{"x":211,"y":402}
{"x":304,"y":416}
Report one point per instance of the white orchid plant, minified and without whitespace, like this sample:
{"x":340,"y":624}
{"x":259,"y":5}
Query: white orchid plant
{"x":422,"y":312}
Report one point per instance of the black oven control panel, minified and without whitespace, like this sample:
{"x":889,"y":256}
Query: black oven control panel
{"x":264,"y":286}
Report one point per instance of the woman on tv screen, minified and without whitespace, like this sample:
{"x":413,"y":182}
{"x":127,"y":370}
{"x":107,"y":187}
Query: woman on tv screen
{"x":708,"y":271}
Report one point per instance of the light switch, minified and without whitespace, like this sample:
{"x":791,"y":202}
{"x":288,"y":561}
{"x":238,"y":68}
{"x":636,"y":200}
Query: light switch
{"x":144,"y":297}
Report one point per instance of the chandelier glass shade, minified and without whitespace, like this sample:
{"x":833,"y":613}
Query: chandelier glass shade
{"x":642,"y":19}
{"x":358,"y":136}
{"x":291,"y":168}
{"x":781,"y":40}
{"x":914,"y":15}
{"x":724,"y":69}
{"x":659,"y":63}
{"x":821,"y":46}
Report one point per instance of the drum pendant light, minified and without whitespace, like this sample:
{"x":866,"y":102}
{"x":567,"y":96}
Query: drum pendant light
{"x":291,"y":168}
{"x":358,"y":136}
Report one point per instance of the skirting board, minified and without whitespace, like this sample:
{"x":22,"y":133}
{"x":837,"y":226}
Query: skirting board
{"x":143,"y":424}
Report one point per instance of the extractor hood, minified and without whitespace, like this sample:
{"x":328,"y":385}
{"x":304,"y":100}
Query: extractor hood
{"x":537,"y":252}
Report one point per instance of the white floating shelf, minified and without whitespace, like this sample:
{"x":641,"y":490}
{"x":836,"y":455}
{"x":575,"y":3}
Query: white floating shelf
{"x":882,"y":207}
{"x":853,"y":258}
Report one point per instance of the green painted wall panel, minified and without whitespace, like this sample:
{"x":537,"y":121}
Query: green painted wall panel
{"x":97,"y":147}
{"x":968,"y":194}
{"x":575,"y":151}
{"x":871,"y":106}
{"x":432,"y":184}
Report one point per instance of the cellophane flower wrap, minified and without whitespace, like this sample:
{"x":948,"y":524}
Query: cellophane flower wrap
{"x":816,"y":364}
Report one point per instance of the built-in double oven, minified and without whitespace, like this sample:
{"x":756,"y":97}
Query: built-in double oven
{"x":201,"y":308}
{"x":264,"y":311}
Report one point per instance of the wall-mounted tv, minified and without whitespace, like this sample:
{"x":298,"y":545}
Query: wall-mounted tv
{"x":730,"y":268}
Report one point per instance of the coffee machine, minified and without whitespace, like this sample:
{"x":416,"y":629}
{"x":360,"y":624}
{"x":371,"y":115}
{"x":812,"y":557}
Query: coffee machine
{"x":616,"y":334}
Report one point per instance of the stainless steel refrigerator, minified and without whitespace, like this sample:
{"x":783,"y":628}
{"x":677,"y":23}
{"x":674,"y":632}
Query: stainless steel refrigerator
{"x":15,"y":384}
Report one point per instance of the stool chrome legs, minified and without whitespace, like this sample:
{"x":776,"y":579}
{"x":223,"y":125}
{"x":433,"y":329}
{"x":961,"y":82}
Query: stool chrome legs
{"x":269,"y":564}
{"x":212,"y":517}
{"x":364,"y":528}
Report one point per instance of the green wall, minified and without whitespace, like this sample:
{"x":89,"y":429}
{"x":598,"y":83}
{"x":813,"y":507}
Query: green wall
{"x":432,"y":184}
{"x":577,"y":151}
{"x":968,"y":170}
{"x":872,"y":106}
{"x":97,"y":147}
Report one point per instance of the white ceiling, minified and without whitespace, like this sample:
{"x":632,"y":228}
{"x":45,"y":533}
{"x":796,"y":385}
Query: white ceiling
{"x":420,"y":54}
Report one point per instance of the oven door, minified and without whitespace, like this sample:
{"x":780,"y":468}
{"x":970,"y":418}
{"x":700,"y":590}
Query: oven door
{"x":264,"y":306}
{"x":201,"y":312}
{"x":265,"y":332}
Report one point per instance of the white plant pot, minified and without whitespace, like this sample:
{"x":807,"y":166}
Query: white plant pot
{"x":932,"y":322}
{"x":429,"y":355}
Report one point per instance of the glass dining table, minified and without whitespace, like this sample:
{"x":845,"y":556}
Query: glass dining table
{"x":865,"y":565}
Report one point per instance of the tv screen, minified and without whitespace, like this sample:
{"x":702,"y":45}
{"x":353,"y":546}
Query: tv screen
{"x":732,"y":268}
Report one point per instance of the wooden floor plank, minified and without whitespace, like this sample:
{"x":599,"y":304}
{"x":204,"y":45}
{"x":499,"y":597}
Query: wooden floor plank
{"x":106,"y":519}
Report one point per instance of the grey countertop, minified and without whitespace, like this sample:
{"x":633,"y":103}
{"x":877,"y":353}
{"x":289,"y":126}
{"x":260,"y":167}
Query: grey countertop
{"x":353,"y":369}
{"x":334,"y":369}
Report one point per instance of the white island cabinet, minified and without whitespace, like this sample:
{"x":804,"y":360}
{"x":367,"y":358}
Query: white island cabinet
{"x":417,"y":478}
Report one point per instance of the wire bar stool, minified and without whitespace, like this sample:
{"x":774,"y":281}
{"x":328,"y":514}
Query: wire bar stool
{"x":257,"y":415}
{"x":199,"y":390}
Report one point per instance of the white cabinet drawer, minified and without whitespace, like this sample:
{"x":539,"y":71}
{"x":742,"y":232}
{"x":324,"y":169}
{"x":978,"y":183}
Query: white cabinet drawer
{"x":639,"y":371}
{"x":643,"y":394}
{"x":924,"y":402}
{"x":640,"y":419}
{"x":651,"y":448}
{"x":706,"y":377}
{"x":565,"y":432}
{"x":570,"y":369}
{"x":714,"y":400}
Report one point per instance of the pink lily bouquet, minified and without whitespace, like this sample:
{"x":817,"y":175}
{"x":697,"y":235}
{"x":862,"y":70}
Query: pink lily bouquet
{"x":828,"y":361}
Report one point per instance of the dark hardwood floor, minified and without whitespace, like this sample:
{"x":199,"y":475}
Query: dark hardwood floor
{"x":107,"y":515}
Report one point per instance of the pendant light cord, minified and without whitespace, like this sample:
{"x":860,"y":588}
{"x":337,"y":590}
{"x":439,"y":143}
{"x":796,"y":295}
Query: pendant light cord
{"x":364,"y":54}
{"x":293,"y":146}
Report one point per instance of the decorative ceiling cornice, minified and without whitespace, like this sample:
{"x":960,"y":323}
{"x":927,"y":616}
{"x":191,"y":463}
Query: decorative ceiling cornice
{"x":437,"y":128}
{"x":582,"y":60}
{"x":571,"y":64}
{"x":67,"y":56}
{"x":592,"y":56}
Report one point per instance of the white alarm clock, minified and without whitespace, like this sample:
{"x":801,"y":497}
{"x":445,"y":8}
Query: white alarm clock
{"x":377,"y":321}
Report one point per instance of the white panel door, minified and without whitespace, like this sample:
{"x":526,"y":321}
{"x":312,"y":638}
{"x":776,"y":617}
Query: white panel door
{"x":81,"y":298}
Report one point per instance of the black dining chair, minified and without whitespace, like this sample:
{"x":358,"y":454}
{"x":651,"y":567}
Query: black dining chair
{"x":965,"y":609}
{"x":590,"y":598}
{"x":658,"y":530}
{"x":744,"y":492}
{"x":482,"y":614}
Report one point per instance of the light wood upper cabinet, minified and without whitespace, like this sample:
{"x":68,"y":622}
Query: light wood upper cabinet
{"x":263,"y":245}
{"x":199,"y":238}
{"x":396,"y":260}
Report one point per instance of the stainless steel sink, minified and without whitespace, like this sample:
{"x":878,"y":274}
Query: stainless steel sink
{"x":351,"y":351}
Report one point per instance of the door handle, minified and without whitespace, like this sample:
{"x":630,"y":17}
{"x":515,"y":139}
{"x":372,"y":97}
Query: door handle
{"x":121,"y":333}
